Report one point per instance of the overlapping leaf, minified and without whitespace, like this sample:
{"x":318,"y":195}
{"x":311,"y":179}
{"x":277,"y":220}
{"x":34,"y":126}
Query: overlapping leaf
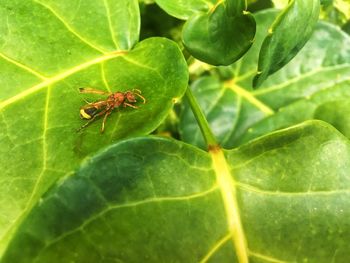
{"x":319,"y":74}
{"x":49,"y":49}
{"x":217,"y":32}
{"x":159,"y":200}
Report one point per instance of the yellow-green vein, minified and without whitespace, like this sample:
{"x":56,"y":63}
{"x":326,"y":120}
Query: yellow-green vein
{"x":249,"y":97}
{"x":115,"y":41}
{"x":129,"y":205}
{"x":29,"y":203}
{"x":22,"y":66}
{"x":71,"y":29}
{"x":215,"y":248}
{"x":254,"y":189}
{"x":104,"y":79}
{"x":227,"y":187}
{"x":266,"y":258}
{"x":59,"y":77}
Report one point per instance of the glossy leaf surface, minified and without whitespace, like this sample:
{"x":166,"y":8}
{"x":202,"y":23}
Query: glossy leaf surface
{"x":159,"y":200}
{"x":219,"y":37}
{"x":185,"y":9}
{"x":216,"y":32}
{"x":48,"y":51}
{"x":320,"y":73}
{"x":286,"y":37}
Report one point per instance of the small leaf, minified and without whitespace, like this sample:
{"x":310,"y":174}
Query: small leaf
{"x":288,"y":34}
{"x":219,"y":38}
{"x":44,"y":60}
{"x":185,"y":9}
{"x":171,"y":202}
{"x":216,"y":32}
{"x":237,"y":114}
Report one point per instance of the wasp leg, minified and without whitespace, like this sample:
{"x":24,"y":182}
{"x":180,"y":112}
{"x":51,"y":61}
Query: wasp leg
{"x":104,"y":119}
{"x":86,"y":124}
{"x":93,"y":91}
{"x":92,"y":119}
{"x":130,"y":105}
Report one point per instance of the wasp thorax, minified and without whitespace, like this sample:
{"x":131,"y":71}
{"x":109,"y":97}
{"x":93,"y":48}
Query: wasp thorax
{"x":119,"y":96}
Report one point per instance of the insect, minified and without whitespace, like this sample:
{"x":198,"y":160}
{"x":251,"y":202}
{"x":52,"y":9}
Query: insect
{"x":91,"y":111}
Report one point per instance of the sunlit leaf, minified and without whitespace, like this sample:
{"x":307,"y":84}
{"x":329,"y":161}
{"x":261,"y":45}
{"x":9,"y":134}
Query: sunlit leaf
{"x":50,"y":49}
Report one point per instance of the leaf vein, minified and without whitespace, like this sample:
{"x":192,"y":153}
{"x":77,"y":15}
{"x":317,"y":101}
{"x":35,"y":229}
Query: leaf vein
{"x":254,"y":189}
{"x":127,"y":205}
{"x":110,"y":24}
{"x":25,"y":67}
{"x":70,"y":28}
{"x":298,"y":78}
{"x":59,"y":77}
{"x":267,"y":258}
{"x":216,"y":247}
{"x":29,"y":203}
{"x":227,"y":186}
{"x":249,"y":97}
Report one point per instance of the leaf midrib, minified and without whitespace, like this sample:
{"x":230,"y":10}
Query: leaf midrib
{"x":227,"y":186}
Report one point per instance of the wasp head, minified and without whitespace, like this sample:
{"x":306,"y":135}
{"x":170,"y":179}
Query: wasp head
{"x":130,"y":96}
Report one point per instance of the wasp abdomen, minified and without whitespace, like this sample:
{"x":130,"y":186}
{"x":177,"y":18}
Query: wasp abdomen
{"x":88,"y":113}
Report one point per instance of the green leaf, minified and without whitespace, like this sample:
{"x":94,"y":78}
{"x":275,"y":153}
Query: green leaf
{"x":286,"y":37}
{"x":44,"y":60}
{"x":216,"y":32}
{"x":336,"y":12}
{"x":185,"y":9}
{"x":280,"y":3}
{"x":234,"y":7}
{"x":320,"y":73}
{"x":219,"y":37}
{"x":159,"y":200}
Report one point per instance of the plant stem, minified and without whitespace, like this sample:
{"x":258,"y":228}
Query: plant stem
{"x":201,"y":120}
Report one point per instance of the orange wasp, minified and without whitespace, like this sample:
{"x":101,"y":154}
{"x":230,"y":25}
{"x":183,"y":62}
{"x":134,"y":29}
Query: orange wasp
{"x":105,"y":107}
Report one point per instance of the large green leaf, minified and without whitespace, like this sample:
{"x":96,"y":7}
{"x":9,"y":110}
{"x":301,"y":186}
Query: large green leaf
{"x":318,"y":74}
{"x":288,"y":34}
{"x":159,"y":200}
{"x":217,"y":32}
{"x":48,"y":51}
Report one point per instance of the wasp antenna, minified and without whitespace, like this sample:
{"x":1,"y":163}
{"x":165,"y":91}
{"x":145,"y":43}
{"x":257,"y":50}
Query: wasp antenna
{"x":137,"y":91}
{"x":142,"y":97}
